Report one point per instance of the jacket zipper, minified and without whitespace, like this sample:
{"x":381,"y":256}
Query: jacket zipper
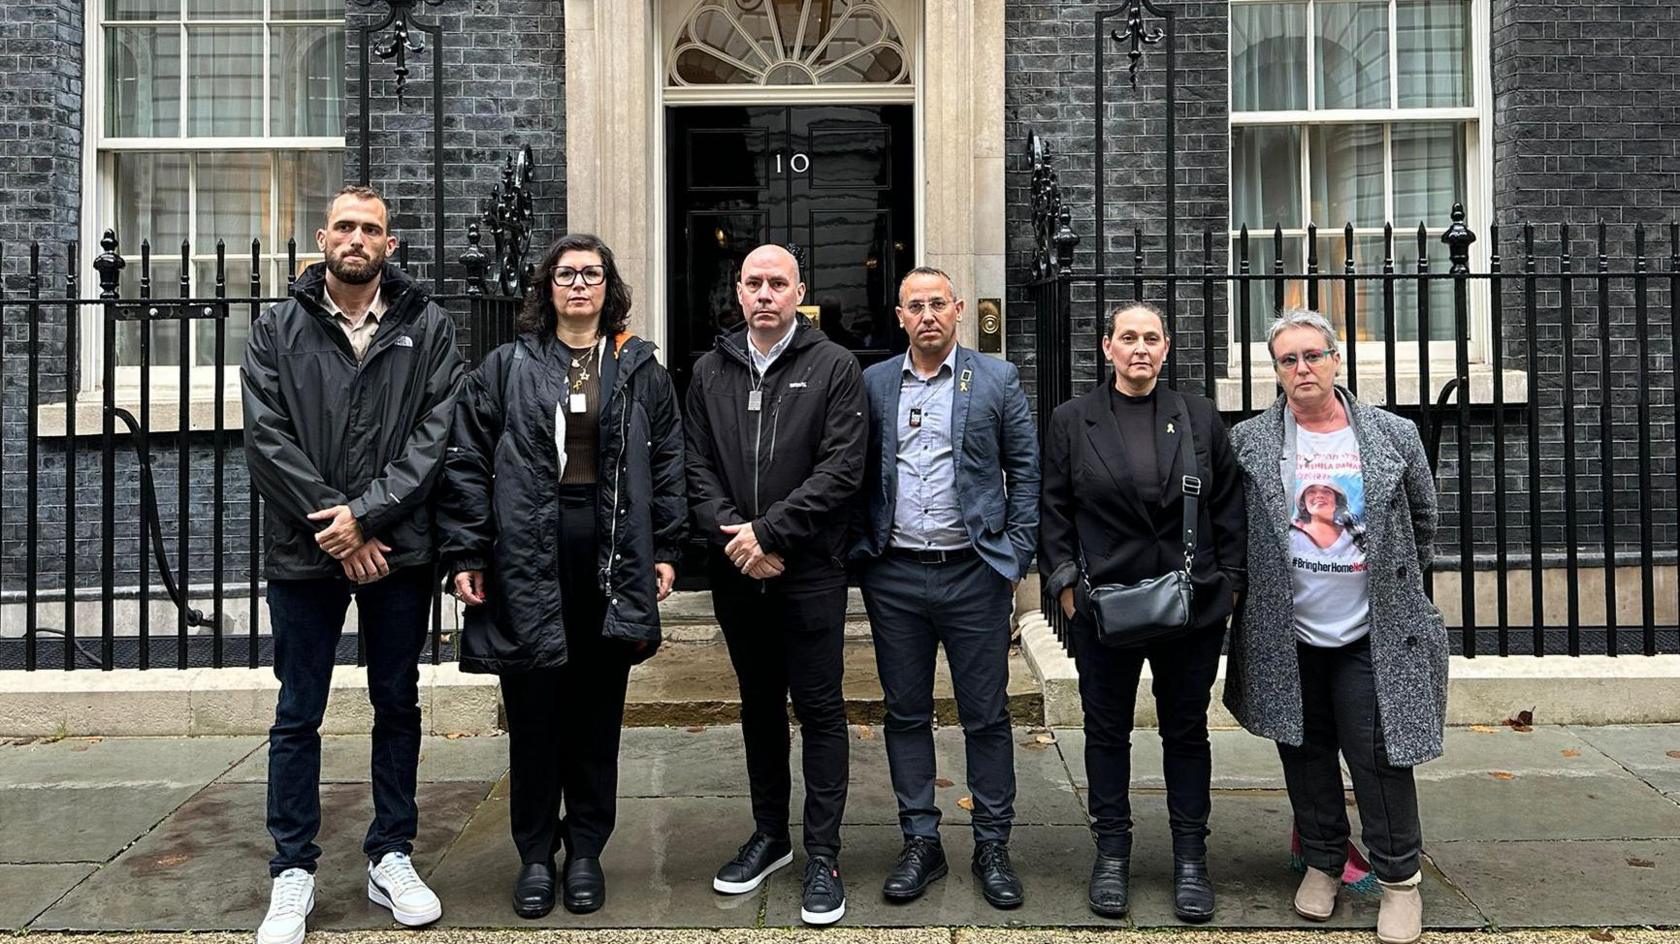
{"x":618,"y":470}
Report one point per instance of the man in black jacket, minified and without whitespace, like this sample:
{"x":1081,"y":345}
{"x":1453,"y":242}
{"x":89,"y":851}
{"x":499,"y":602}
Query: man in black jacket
{"x":349,"y":390}
{"x":776,"y":434}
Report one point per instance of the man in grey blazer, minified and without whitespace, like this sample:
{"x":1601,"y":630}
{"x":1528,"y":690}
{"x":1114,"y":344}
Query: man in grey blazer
{"x":946,"y":529}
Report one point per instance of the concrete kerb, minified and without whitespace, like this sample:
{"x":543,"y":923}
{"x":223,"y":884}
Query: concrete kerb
{"x":1586,"y":690}
{"x":195,"y":702}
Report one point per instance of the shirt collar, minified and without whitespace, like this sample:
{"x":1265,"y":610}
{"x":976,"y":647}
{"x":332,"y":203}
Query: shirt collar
{"x":950,"y":363}
{"x":763,"y":360}
{"x":375,"y":310}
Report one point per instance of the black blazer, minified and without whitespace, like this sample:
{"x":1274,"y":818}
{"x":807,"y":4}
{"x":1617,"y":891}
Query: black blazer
{"x":1089,"y":502}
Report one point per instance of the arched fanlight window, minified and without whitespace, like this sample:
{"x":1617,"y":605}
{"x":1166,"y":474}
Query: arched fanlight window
{"x":788,"y":42}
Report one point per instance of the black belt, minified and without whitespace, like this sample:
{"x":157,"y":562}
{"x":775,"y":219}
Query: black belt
{"x":934,"y":557}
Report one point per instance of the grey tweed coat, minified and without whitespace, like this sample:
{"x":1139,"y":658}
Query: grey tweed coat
{"x":1408,"y":639}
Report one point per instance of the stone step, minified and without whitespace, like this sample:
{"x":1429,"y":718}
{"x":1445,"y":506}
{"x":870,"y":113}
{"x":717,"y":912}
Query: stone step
{"x":693,"y":683}
{"x":687,"y":616}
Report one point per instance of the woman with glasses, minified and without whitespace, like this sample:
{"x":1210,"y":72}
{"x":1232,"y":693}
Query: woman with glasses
{"x":562,"y":515}
{"x":1116,"y":483}
{"x":1338,"y":647}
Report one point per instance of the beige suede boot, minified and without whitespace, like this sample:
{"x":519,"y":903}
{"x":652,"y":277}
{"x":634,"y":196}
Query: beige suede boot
{"x":1400,"y":916}
{"x":1315,"y":900}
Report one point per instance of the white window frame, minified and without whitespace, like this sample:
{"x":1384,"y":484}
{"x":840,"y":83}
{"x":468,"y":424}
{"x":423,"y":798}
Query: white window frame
{"x":1478,"y":201}
{"x":99,"y":213}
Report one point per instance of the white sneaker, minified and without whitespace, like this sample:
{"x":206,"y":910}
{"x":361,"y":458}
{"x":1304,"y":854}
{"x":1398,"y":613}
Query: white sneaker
{"x":289,"y":903}
{"x":394,"y":884}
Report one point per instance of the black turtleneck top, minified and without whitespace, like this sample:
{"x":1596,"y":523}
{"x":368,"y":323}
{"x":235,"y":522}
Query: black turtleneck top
{"x":1136,"y":416}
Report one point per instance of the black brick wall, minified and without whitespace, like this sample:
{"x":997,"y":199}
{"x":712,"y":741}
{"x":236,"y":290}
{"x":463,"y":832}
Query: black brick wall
{"x":503,"y":87}
{"x":1050,"y":88}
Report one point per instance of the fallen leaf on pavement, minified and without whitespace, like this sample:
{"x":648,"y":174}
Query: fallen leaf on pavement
{"x":1502,"y":775}
{"x":966,"y":802}
{"x":942,"y":783}
{"x":1484,"y":729}
{"x":1034,"y":745}
{"x":1641,"y":863}
{"x":1045,"y":739}
{"x":454,"y":736}
{"x":865,"y":732}
{"x":1674,"y":754}
{"x":172,"y":860}
{"x":1602,"y":934}
{"x":695,"y":728}
{"x":1523,"y":722}
{"x":1571,"y":752}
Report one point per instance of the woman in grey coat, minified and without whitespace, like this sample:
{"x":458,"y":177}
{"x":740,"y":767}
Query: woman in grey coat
{"x":1337,"y":646}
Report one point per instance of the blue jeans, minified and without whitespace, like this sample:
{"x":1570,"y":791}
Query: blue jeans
{"x":308,"y":618}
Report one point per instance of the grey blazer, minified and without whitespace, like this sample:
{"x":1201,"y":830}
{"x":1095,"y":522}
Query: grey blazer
{"x":1408,"y":638}
{"x":995,"y":445}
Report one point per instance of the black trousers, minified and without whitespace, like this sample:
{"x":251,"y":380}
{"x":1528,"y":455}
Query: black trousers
{"x":788,"y":641}
{"x":1339,"y":709}
{"x":964,"y":605}
{"x":563,"y":722}
{"x":1183,"y":670}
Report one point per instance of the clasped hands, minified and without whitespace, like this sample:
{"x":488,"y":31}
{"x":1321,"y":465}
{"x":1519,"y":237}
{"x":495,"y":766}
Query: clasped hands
{"x":363,"y":560}
{"x":744,"y":552}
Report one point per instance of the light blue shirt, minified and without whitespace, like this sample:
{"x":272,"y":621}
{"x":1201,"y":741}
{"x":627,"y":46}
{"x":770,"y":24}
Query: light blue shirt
{"x":762,"y":362}
{"x":925,"y":515}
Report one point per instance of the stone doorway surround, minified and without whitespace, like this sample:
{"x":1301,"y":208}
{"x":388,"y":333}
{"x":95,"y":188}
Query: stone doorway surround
{"x":615,"y":159}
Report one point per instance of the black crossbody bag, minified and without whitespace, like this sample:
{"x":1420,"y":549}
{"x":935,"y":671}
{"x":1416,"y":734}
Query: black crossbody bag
{"x":1132,"y":614}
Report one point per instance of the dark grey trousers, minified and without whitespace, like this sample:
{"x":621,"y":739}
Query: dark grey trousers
{"x":1339,"y":708}
{"x":966,"y":605}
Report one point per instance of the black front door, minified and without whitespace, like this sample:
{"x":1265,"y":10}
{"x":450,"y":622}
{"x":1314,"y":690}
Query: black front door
{"x":835,"y":181}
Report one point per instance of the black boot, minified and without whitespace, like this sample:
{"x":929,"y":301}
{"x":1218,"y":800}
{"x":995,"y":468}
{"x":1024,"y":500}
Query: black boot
{"x":533,"y":891}
{"x":586,"y":887}
{"x":920,"y":864}
{"x":999,"y":884}
{"x":1110,"y":894}
{"x":1192,"y":889}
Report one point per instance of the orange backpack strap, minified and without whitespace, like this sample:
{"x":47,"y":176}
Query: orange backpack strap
{"x":619,"y":340}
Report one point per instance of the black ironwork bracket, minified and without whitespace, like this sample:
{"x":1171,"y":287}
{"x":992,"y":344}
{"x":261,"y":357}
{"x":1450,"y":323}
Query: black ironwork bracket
{"x":509,"y":216}
{"x":1137,"y":35}
{"x":402,"y":41}
{"x":1053,"y":235}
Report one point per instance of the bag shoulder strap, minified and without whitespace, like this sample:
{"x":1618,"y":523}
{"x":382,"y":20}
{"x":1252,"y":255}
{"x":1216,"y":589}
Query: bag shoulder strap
{"x":1191,"y":485}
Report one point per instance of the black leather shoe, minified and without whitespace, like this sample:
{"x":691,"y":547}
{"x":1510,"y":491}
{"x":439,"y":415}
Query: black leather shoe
{"x":533,"y":892}
{"x":753,"y":862}
{"x":1110,"y":894}
{"x":920,"y":864}
{"x":999,"y":884}
{"x":586,"y":887}
{"x":1192,"y":890}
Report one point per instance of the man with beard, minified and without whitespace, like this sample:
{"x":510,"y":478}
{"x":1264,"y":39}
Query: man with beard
{"x":349,"y":390}
{"x":775,"y":447}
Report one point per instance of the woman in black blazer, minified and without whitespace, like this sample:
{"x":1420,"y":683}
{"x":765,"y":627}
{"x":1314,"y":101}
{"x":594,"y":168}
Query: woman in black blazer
{"x":1112,"y":501}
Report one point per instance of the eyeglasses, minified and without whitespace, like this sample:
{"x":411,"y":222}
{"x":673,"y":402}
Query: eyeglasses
{"x":937,"y":306}
{"x":592,"y":275}
{"x":1313,"y":358}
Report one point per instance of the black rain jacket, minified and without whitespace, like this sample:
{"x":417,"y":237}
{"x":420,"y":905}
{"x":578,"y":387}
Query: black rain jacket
{"x":322,"y":430}
{"x":793,"y":468}
{"x":499,"y":511}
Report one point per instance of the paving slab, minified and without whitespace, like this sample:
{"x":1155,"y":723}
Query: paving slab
{"x":1551,"y":750}
{"x":1241,"y":761}
{"x":48,"y":824}
{"x":698,"y":760}
{"x":345,"y":759}
{"x":1545,"y":806}
{"x":1053,"y":862}
{"x":1651,"y":751}
{"x":1249,"y":858}
{"x":27,"y":890}
{"x":97,"y":761}
{"x":659,"y":867}
{"x":215,"y":850}
{"x":1567,"y":883}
